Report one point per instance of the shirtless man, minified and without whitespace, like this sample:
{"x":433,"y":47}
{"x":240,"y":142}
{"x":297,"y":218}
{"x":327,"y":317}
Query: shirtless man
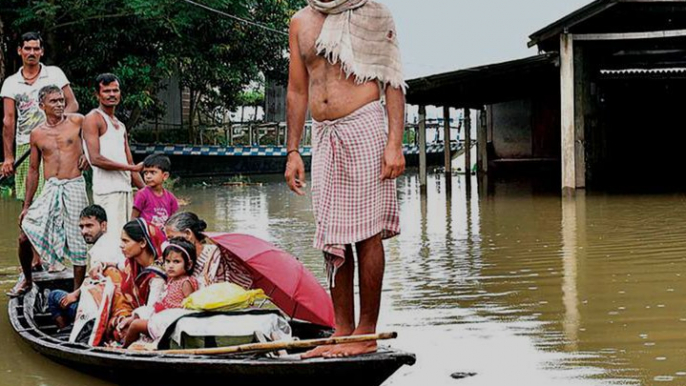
{"x":51,"y":222}
{"x":356,"y":160}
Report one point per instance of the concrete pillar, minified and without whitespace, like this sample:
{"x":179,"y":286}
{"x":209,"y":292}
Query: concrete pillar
{"x":422,"y":145}
{"x":581,"y":81}
{"x":567,"y":110}
{"x":482,"y":143}
{"x":468,"y":143}
{"x":446,"y":139}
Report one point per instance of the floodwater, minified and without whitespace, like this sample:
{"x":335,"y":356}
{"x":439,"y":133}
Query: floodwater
{"x":516,"y":286}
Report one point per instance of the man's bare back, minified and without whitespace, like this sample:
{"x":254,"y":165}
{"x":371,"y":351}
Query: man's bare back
{"x":331,"y":94}
{"x":60,"y":147}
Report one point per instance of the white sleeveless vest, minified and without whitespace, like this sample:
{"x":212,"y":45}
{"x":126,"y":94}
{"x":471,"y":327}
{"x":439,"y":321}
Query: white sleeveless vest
{"x":112,"y":146}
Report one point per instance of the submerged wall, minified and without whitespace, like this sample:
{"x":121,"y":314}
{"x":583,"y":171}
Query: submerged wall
{"x":511,"y":128}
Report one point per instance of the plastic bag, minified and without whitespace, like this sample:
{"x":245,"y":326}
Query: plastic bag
{"x":223,"y":297}
{"x":93,"y":311}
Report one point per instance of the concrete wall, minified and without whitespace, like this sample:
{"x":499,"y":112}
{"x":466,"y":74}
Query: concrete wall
{"x":511,"y":129}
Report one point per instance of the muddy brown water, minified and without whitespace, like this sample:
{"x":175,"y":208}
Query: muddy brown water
{"x":513,"y":287}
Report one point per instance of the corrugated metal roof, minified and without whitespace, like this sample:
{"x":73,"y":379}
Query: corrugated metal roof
{"x":645,"y":71}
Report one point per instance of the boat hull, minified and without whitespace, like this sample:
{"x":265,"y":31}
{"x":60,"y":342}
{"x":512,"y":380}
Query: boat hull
{"x":131,"y":368}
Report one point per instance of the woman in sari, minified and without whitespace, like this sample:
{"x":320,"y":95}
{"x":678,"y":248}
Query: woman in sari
{"x":142,"y":282}
{"x":213,"y":264}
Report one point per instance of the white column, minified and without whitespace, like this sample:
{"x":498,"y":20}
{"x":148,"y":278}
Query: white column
{"x":567,"y":111}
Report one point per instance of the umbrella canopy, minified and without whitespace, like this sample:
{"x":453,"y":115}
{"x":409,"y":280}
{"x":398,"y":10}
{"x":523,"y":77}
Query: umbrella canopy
{"x":283,"y":278}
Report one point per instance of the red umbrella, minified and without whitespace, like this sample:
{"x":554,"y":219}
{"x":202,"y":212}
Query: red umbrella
{"x":281,"y":276}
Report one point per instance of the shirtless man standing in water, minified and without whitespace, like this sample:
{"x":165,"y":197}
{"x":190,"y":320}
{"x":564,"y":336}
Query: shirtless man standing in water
{"x":51,"y":221}
{"x":356,"y":158}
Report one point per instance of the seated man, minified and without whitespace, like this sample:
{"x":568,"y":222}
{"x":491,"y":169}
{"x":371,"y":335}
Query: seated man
{"x":104,"y":251}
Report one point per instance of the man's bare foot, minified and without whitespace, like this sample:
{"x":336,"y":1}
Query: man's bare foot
{"x":321,"y":351}
{"x":20,"y":289}
{"x":352,"y":349}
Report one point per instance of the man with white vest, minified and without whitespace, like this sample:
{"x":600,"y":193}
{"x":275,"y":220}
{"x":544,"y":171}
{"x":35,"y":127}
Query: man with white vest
{"x":107,"y":150}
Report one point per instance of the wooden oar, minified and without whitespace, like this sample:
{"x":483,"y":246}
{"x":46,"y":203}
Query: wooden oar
{"x":262,"y":347}
{"x":276,"y":346}
{"x":17,"y":163}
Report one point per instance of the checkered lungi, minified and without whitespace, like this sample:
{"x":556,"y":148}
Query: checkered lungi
{"x":52,"y":221}
{"x":350,"y":201}
{"x":21,"y":173}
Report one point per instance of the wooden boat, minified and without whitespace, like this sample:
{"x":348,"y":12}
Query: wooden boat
{"x":131,"y":368}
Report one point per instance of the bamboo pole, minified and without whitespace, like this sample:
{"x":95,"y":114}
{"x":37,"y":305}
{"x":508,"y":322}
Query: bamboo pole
{"x":263,"y":347}
{"x":276,"y":346}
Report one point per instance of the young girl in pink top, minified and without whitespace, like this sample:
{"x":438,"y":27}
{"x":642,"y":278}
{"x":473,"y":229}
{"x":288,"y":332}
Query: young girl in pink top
{"x":179,"y":257}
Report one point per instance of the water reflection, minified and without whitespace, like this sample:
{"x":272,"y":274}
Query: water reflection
{"x":572,"y":228}
{"x":501,"y":278}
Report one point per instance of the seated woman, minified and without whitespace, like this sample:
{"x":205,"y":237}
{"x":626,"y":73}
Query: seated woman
{"x":142,"y":282}
{"x":212,"y":266}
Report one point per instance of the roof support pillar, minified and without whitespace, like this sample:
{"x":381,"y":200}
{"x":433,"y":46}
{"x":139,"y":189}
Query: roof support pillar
{"x":482,"y":143}
{"x":446,"y":139}
{"x":568,"y":152}
{"x":422,"y":146}
{"x":581,"y":96}
{"x":468,"y":144}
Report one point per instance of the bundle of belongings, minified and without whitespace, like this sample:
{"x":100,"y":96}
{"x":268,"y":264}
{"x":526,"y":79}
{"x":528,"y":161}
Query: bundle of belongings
{"x":222,"y":314}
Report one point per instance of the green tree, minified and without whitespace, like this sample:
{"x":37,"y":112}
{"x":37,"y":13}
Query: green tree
{"x":145,"y":42}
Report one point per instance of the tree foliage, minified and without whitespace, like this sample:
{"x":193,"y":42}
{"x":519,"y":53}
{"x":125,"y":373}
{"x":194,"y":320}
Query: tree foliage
{"x":145,"y":42}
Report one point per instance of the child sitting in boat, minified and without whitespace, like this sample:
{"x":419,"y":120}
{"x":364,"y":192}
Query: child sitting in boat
{"x":179,"y":256}
{"x":154,"y":203}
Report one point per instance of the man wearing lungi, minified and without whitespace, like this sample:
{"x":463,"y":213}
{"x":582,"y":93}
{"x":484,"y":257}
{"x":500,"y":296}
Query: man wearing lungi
{"x":345,"y":66}
{"x":107,"y":149}
{"x":22,"y":114}
{"x":51,"y":221}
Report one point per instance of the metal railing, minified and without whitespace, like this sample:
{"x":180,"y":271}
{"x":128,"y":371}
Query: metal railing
{"x":233,"y":134}
{"x":246,"y":134}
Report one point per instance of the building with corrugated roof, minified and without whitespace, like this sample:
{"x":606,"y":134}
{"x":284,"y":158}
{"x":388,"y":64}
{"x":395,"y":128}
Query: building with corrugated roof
{"x":598,"y":107}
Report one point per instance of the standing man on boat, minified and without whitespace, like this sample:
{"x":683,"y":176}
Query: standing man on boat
{"x":345,"y":66}
{"x":51,"y":222}
{"x":107,"y":150}
{"x":20,"y":105}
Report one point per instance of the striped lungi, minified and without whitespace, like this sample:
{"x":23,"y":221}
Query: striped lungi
{"x":52,"y":221}
{"x":351,"y":203}
{"x":21,"y":173}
